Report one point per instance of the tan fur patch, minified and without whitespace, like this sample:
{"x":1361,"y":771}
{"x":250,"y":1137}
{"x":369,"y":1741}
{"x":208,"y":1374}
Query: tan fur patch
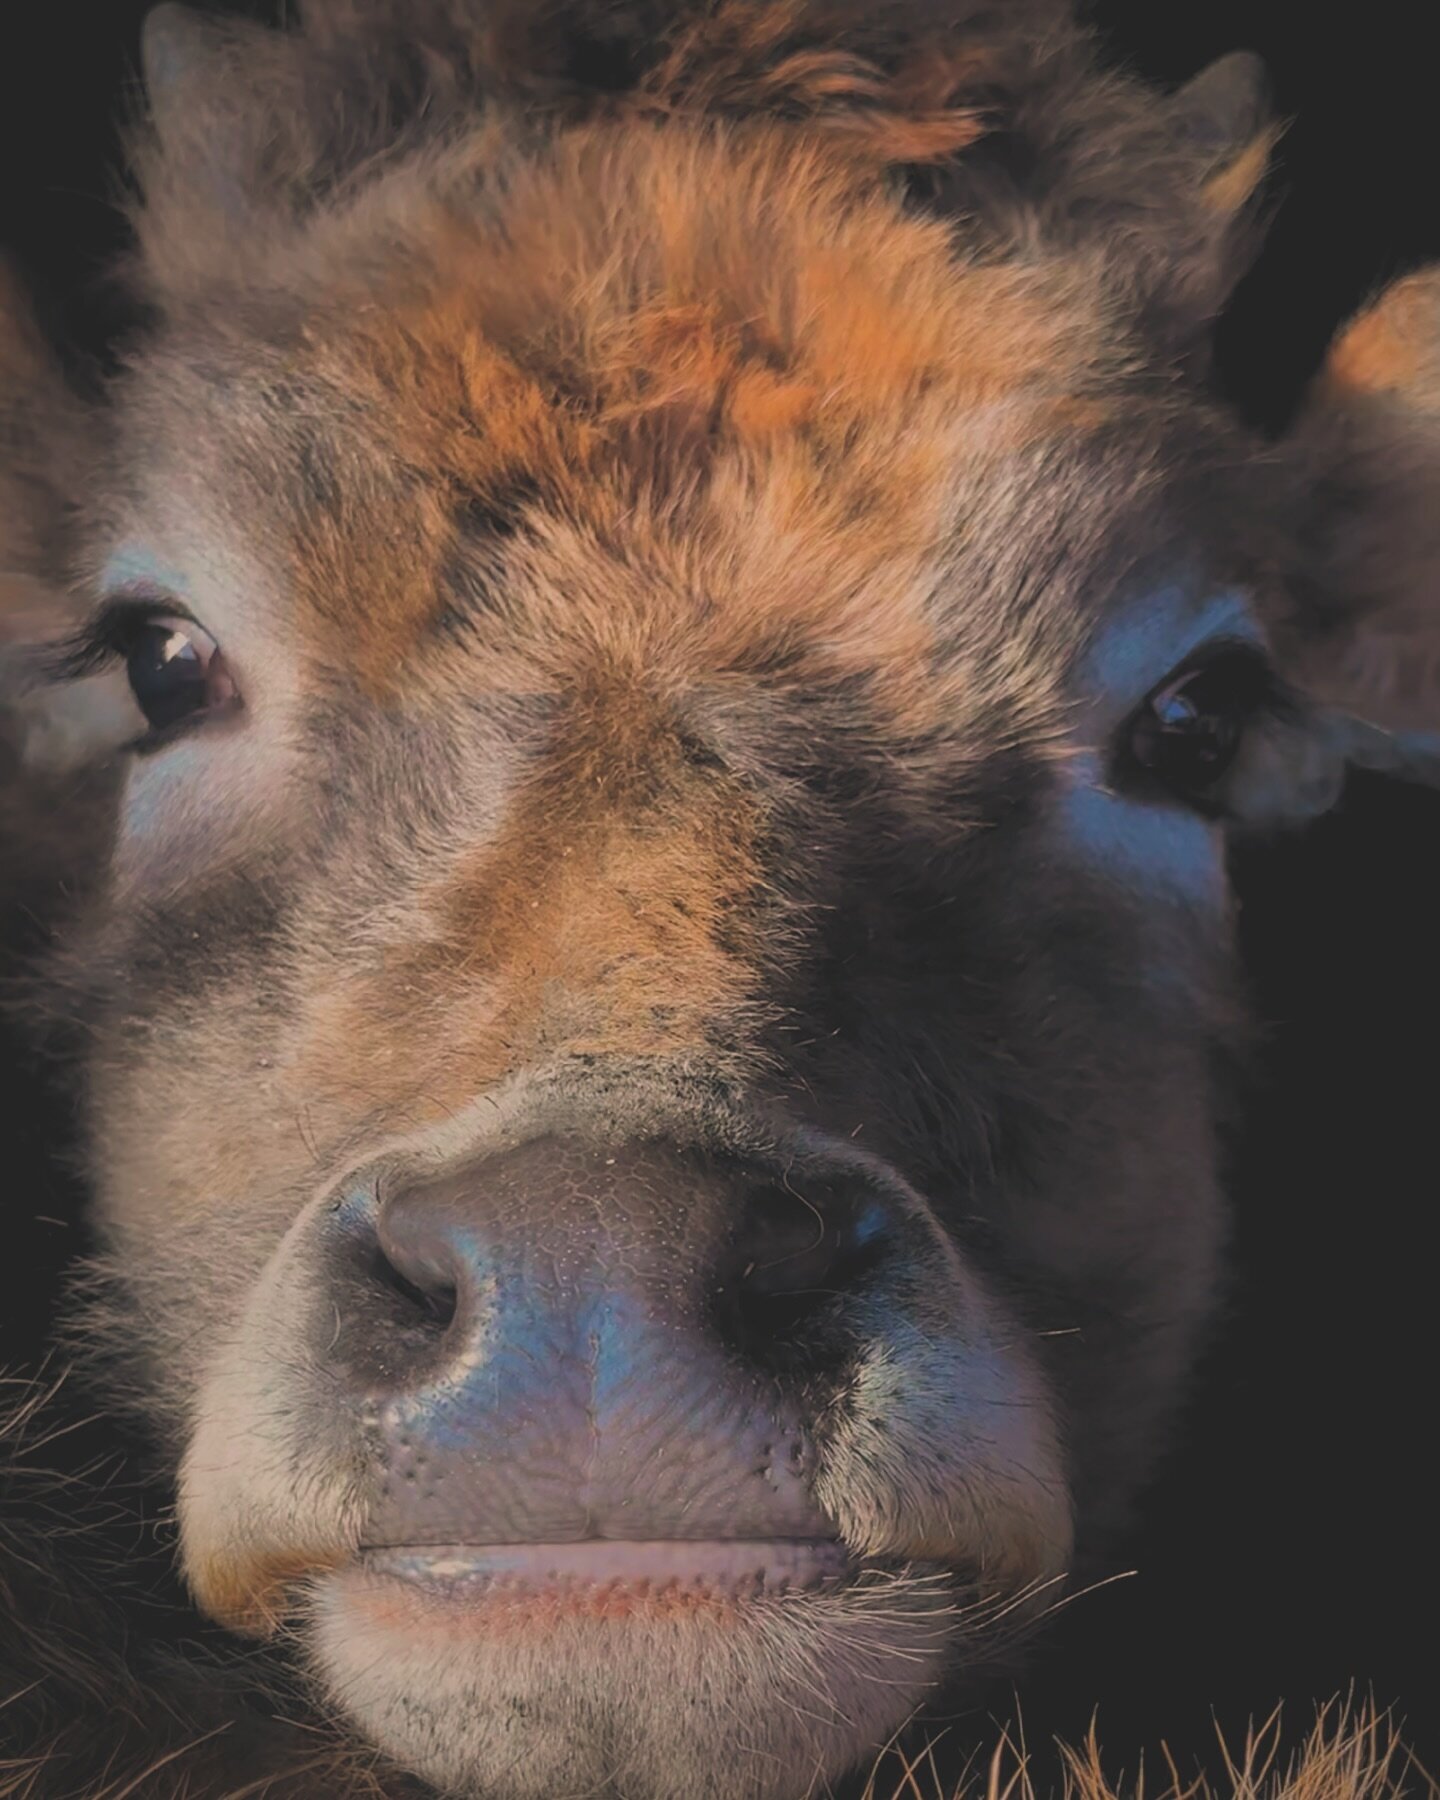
{"x":253,"y":1594}
{"x":1231,"y":189}
{"x":1394,"y":346}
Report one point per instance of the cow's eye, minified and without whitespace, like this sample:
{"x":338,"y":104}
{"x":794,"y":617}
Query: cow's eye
{"x":176,"y":671}
{"x":175,"y":668}
{"x":1187,"y":732}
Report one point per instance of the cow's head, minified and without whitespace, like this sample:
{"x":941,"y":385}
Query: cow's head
{"x":683,"y":647}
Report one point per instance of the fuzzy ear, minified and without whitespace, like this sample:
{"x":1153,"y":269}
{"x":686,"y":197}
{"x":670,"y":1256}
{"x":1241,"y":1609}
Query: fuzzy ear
{"x":1222,"y":118}
{"x":43,"y":439}
{"x":1167,"y":193}
{"x":1225,"y":111}
{"x":174,"y":39}
{"x":1359,"y":637}
{"x":1365,"y":633}
{"x":39,"y":423}
{"x":206,"y":81}
{"x":183,"y":61}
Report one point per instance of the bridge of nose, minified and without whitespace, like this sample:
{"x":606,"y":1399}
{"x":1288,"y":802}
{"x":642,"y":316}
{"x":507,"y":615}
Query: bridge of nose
{"x":580,"y":1391}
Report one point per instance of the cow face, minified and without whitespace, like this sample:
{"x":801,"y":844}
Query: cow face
{"x":662,"y":995}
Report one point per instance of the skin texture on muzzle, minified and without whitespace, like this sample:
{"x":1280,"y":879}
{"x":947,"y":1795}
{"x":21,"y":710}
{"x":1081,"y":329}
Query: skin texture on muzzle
{"x":588,"y":1350}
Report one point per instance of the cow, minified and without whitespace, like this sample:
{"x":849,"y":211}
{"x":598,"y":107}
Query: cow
{"x":660,"y":645}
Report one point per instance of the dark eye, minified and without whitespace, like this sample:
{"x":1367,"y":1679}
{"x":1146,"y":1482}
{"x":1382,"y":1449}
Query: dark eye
{"x":176,"y":671}
{"x":1188,"y":731}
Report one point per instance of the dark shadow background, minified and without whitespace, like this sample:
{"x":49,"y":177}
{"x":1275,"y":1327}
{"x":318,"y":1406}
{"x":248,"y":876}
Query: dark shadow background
{"x":1293,"y":1546}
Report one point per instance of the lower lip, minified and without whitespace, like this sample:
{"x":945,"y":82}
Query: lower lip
{"x":716,"y":1568}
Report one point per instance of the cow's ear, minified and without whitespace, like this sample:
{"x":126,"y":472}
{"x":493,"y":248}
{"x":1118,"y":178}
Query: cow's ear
{"x":40,"y":425}
{"x":1364,"y":631}
{"x":1358,"y":636}
{"x":1224,"y":115}
{"x":224,"y":141}
{"x":1221,"y":135}
{"x":200,"y":76}
{"x":45,"y":436}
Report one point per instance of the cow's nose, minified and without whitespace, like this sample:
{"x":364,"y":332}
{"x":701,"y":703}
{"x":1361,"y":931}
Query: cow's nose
{"x":609,"y":1342}
{"x":761,"y":1253}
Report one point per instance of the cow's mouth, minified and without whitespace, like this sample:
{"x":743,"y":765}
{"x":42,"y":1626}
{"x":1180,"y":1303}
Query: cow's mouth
{"x":593,"y":1575}
{"x":739,"y":1667}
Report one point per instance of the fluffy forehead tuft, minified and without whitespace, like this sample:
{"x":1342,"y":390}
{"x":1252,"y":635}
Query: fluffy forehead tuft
{"x":683,"y":384}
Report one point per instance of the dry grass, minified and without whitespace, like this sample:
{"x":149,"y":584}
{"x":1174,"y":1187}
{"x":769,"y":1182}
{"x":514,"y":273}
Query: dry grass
{"x":1354,"y":1751}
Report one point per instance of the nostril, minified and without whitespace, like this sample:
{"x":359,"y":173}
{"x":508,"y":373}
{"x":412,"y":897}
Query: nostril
{"x":416,"y":1260}
{"x":794,"y":1257}
{"x":436,"y":1301}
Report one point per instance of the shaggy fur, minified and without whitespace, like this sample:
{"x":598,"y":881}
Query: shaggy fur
{"x":692,"y":496}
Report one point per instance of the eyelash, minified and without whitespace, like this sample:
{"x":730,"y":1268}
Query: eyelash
{"x":1268,"y":691}
{"x":105,"y":637}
